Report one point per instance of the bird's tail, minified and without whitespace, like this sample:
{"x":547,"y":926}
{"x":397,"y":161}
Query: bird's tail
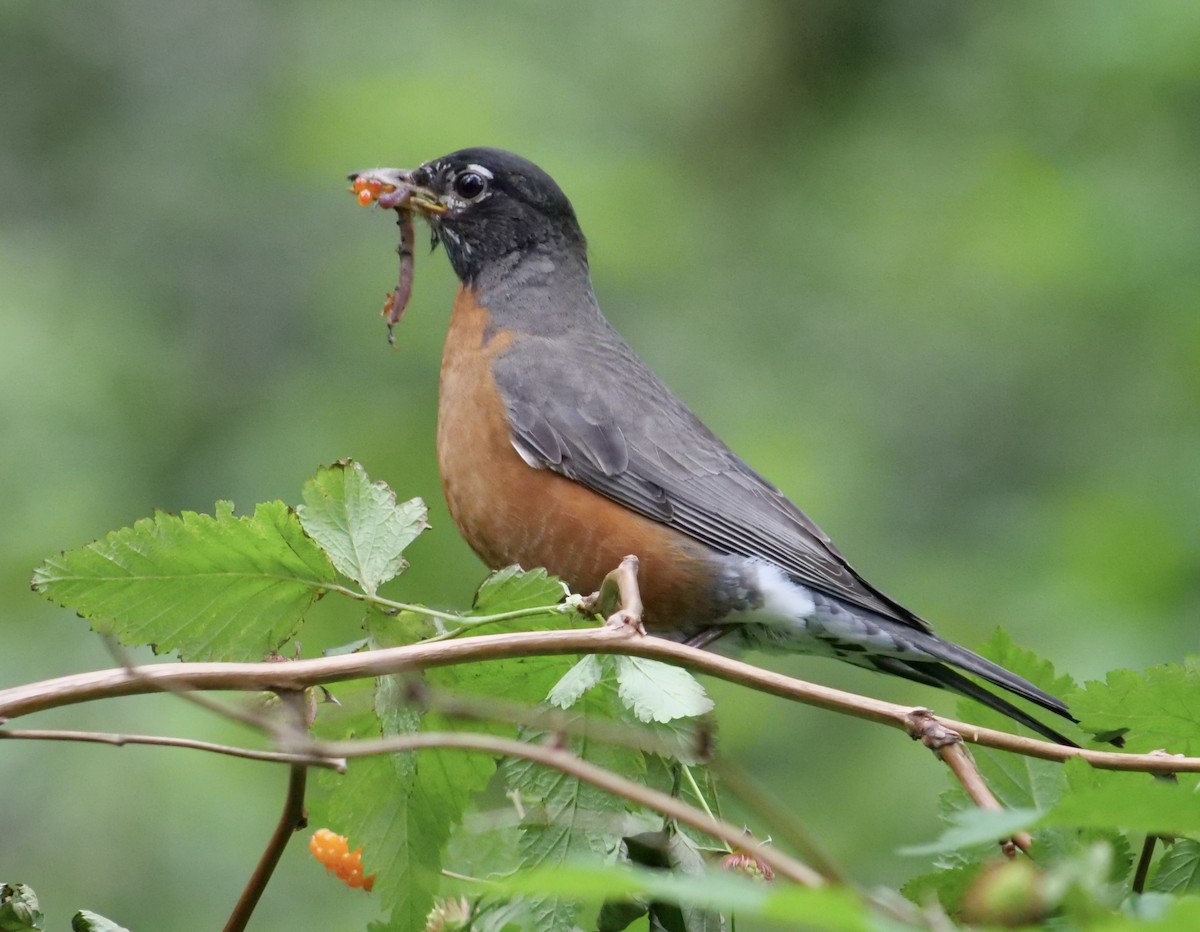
{"x":940,"y":675}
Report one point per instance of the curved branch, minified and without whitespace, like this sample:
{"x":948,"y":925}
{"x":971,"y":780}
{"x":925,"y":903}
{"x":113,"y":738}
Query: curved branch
{"x":566,"y":762}
{"x":85,"y":687}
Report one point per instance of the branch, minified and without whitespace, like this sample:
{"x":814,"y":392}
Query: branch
{"x":947,"y":745}
{"x":291,"y":820}
{"x":100,"y":737}
{"x":568,"y":763}
{"x":299,"y":674}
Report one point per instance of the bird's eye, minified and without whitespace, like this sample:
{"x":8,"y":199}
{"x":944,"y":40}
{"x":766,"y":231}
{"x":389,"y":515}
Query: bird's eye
{"x":469,"y":186}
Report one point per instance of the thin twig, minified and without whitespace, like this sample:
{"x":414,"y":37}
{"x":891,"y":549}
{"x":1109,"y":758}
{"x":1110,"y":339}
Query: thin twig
{"x":291,"y":820}
{"x":99,"y":737}
{"x":85,"y":687}
{"x":568,"y":763}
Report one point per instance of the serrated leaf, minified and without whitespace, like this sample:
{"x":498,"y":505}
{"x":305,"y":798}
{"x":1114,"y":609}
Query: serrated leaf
{"x":974,"y":827}
{"x":578,"y":680}
{"x":401,"y":809}
{"x":358,"y":523}
{"x":567,"y":819}
{"x":659,"y":692}
{"x":512,"y":588}
{"x":1179,"y":870}
{"x":87,"y":921}
{"x":213,"y":587}
{"x":1134,"y":803}
{"x":1160,"y":707}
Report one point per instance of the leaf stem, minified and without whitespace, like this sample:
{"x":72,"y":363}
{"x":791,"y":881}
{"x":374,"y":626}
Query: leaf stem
{"x":464,"y":621}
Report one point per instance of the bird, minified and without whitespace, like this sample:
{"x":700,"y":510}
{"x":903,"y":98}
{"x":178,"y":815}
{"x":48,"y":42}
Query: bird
{"x":558,"y":447}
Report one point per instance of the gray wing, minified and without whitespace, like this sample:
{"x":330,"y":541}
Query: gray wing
{"x":613,"y":426}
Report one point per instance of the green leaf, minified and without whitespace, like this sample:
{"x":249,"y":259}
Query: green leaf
{"x":659,"y":692}
{"x":212,"y":587}
{"x":1179,"y":870}
{"x":832,"y":909}
{"x":19,"y":908}
{"x":1160,"y":707}
{"x":512,"y":588}
{"x":401,"y":808}
{"x":566,"y":819}
{"x":358,"y":523}
{"x":578,"y":680}
{"x":976,"y":826}
{"x":1134,"y":803}
{"x":946,"y":887}
{"x":87,"y":921}
{"x":1018,"y":782}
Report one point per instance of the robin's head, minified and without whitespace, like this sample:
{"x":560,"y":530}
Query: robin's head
{"x":484,"y":205}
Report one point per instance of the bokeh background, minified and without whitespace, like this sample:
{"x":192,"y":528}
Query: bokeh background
{"x":932,"y":267}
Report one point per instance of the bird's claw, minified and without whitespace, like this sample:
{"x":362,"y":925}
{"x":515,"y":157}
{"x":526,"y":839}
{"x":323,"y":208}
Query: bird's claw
{"x":618,"y":591}
{"x":626,"y":620}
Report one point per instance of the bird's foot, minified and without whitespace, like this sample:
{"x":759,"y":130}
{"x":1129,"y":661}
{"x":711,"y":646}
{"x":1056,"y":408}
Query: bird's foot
{"x":619,"y":598}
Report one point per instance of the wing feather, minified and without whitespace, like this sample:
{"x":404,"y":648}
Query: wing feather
{"x":616,"y":428}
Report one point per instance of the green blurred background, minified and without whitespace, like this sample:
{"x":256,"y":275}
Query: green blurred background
{"x":931,"y":267}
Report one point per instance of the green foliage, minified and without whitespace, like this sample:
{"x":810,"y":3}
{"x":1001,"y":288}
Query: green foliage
{"x":21,"y":912}
{"x":358,"y":523}
{"x":87,"y":921}
{"x":1085,"y":822}
{"x":1160,"y":706}
{"x":1179,"y":869}
{"x":516,"y":844}
{"x":209,"y":586}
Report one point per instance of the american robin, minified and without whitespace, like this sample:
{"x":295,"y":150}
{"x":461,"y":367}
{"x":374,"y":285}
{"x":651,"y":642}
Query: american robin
{"x":559,"y":448}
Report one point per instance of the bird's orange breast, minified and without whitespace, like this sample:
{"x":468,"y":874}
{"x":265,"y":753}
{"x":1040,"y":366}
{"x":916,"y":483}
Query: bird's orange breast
{"x":510,"y":512}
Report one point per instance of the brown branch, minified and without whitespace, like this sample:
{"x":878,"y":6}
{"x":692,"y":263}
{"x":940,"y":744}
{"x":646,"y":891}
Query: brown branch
{"x":568,"y":763}
{"x":299,"y":674}
{"x":947,"y":745}
{"x":291,"y":820}
{"x":119,"y":740}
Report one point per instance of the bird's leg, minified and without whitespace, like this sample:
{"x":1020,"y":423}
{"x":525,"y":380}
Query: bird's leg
{"x":619,"y":590}
{"x":702,"y":638}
